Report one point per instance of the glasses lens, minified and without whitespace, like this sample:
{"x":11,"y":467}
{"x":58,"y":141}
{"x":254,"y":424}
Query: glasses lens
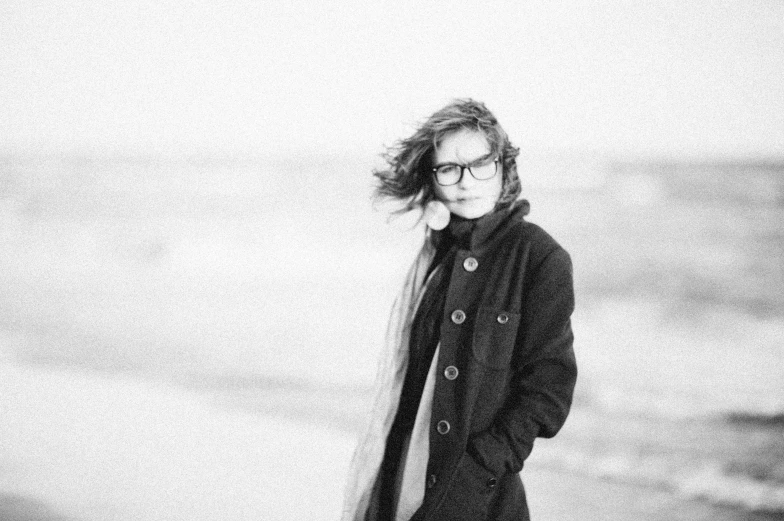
{"x":448,"y":175}
{"x":485,"y":171}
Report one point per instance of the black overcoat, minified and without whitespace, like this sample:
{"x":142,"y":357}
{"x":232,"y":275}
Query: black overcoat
{"x":506,"y":369}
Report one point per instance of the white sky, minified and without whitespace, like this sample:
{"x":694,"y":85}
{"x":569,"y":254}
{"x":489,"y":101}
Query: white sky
{"x":695,"y":78}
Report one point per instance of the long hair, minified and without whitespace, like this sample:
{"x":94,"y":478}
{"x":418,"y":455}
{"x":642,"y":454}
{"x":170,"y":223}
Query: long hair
{"x":408,"y":177}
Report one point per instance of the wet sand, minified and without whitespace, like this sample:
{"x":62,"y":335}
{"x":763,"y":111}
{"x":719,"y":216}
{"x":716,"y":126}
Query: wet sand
{"x":560,"y":496}
{"x":552,"y":497}
{"x":79,"y":446}
{"x":14,"y":507}
{"x":553,"y":494}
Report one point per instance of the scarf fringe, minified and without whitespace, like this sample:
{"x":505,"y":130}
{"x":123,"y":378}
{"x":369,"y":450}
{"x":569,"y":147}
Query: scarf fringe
{"x":369,"y":453}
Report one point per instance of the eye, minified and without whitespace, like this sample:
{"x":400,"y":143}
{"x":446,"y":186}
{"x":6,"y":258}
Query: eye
{"x":447,"y":169}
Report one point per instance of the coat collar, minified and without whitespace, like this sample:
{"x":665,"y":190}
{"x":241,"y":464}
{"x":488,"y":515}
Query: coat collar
{"x":493,"y":224}
{"x":476,"y":234}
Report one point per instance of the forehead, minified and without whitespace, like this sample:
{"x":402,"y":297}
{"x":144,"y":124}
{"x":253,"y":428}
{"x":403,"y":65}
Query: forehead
{"x":461,"y":146}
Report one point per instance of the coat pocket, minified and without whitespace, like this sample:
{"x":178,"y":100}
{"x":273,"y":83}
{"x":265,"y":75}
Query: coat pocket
{"x":470,"y":494}
{"x":495,"y":332}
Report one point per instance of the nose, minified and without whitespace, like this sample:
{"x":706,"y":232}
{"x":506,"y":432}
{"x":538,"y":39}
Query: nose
{"x":467,"y":180}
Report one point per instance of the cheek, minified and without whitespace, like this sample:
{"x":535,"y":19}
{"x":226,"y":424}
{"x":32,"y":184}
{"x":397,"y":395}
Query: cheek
{"x":441,"y":191}
{"x":496,"y":187}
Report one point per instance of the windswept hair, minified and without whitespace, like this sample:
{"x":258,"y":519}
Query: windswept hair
{"x":408,"y":178}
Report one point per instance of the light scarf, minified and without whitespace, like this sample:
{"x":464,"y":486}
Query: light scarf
{"x":388,"y":386}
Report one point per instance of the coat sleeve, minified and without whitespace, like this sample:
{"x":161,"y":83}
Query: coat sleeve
{"x":544,"y":370}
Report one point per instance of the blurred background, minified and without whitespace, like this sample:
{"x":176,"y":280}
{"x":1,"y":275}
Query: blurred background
{"x":194,"y":282}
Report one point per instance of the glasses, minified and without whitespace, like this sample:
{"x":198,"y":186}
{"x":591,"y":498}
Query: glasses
{"x":451,"y":173}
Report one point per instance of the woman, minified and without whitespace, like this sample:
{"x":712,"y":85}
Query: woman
{"x":478,"y":360}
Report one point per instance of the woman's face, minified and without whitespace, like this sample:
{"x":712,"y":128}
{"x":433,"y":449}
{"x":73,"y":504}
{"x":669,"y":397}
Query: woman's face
{"x":469,"y":198}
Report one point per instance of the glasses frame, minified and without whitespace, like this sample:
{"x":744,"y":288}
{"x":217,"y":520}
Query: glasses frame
{"x":463,"y":168}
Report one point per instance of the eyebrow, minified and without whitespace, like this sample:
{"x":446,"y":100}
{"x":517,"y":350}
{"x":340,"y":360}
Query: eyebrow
{"x":478,"y":159}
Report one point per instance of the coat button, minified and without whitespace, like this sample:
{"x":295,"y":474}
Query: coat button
{"x":431,"y":481}
{"x":451,"y":372}
{"x":503,"y":318}
{"x":492,"y":482}
{"x":470,"y":264}
{"x":458,"y":316}
{"x":443,"y":427}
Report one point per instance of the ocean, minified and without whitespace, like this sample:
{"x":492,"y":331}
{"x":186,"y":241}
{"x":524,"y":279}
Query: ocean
{"x":244,"y":275}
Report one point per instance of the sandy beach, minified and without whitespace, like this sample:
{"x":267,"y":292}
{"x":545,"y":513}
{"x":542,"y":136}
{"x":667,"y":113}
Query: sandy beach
{"x":92,"y":447}
{"x":182,"y":342}
{"x":195,"y":277}
{"x":87,"y":446}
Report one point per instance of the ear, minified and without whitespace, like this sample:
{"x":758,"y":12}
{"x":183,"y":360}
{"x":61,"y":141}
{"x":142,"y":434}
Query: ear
{"x":436,"y":215}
